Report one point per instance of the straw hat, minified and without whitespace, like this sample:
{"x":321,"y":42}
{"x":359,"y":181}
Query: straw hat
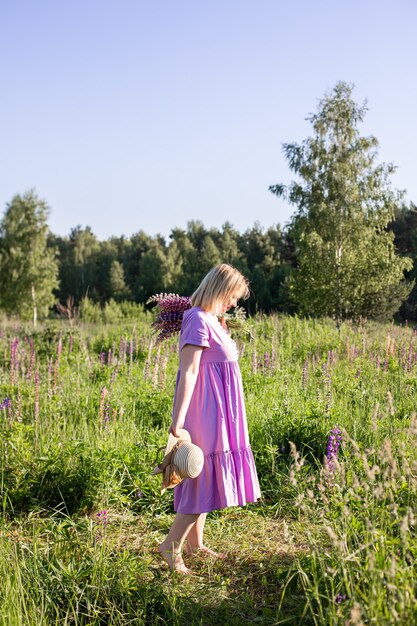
{"x":182,"y":459}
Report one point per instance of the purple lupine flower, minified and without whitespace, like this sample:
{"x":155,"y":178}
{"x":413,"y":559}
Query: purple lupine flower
{"x":305,"y":374}
{"x":138,"y":494}
{"x":267,"y":361}
{"x":410,"y":357}
{"x":333,"y":445}
{"x":59,"y":349}
{"x":147,"y":369}
{"x":31,"y":360}
{"x":273,"y":357}
{"x":122,"y":349}
{"x":171,"y":308}
{"x":37,"y":385}
{"x":114,"y":374}
{"x":14,"y":360}
{"x":341,"y":597}
{"x":102,"y":358}
{"x":104,"y":409}
{"x":102,"y":518}
{"x":254,"y":361}
{"x":6,"y":404}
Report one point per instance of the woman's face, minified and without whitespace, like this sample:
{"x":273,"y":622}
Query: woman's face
{"x":229,"y":302}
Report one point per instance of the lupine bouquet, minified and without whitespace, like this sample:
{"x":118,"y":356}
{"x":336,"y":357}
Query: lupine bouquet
{"x":170,"y":311}
{"x":171,"y":308}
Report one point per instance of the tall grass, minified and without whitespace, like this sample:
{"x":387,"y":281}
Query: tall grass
{"x":83,"y":410}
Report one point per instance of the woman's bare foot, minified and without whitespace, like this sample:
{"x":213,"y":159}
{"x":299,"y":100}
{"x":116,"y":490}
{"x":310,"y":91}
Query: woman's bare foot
{"x":203,"y":550}
{"x":174,"y":559}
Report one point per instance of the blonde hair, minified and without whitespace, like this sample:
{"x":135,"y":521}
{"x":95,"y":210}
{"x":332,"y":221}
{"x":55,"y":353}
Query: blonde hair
{"x":221,"y":283}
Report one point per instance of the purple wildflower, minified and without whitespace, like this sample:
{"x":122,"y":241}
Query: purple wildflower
{"x":104,"y":407}
{"x":171,"y":308}
{"x":102,"y":519}
{"x":102,"y":358}
{"x":305,"y":374}
{"x":254,"y":362}
{"x":122,"y":349}
{"x":14,"y":360}
{"x":37,"y":385}
{"x":333,"y":445}
{"x":114,"y":374}
{"x":6,"y":404}
{"x":31,"y":360}
{"x":340,"y":598}
{"x":138,"y":494}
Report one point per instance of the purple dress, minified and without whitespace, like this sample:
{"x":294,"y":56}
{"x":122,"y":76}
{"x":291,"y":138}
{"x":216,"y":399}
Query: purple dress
{"x":216,"y":421}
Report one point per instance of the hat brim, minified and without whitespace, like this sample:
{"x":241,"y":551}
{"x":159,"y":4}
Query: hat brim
{"x":183,"y":434}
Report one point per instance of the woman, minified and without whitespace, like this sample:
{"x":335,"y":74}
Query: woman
{"x":209,"y":404}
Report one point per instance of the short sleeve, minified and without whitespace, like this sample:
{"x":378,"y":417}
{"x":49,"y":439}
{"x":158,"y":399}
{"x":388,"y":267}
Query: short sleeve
{"x":194,"y":329}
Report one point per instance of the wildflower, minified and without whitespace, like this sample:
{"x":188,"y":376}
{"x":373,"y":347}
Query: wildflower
{"x":340,"y":598}
{"x":37,"y":385}
{"x":104,"y":409}
{"x":102,"y":358}
{"x":114,"y":374}
{"x":335,"y":439}
{"x":6,"y":404}
{"x":102,"y":518}
{"x":171,"y":308}
{"x":254,"y":362}
{"x":305,"y":374}
{"x":138,"y":494}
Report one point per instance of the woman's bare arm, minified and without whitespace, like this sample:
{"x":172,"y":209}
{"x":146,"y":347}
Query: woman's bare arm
{"x":190,"y":363}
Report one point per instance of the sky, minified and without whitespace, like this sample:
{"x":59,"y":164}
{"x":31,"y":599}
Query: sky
{"x":136,"y":115}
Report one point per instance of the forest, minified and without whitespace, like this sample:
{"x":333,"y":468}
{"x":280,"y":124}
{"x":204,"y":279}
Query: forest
{"x":348,"y":251}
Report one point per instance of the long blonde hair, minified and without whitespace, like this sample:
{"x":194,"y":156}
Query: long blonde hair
{"x":221,"y":283}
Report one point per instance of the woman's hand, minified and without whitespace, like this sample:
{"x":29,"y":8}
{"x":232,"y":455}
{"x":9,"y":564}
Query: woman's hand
{"x":173,"y":430}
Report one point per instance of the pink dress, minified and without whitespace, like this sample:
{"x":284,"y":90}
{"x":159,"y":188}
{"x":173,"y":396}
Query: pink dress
{"x":216,"y":421}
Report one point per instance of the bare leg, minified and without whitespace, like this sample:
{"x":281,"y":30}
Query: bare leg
{"x":170,"y":549}
{"x":195,"y":543}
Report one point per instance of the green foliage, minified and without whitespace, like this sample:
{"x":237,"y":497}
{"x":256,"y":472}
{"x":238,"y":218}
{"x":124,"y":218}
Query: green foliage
{"x":136,"y":268}
{"x":346,"y":261}
{"x":90,"y":312}
{"x":28,"y":267}
{"x":117,"y":283}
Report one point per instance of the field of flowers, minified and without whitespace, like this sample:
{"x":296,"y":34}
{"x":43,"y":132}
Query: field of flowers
{"x":83,"y":410}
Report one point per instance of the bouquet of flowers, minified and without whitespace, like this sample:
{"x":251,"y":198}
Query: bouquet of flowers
{"x":170,"y":310}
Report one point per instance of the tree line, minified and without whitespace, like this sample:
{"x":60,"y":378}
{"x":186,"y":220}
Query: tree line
{"x":348,"y":252}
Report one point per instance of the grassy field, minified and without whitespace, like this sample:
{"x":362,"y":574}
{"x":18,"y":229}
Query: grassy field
{"x":83,"y":411}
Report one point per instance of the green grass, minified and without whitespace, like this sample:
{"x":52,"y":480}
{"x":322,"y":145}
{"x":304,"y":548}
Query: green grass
{"x":326,"y":546}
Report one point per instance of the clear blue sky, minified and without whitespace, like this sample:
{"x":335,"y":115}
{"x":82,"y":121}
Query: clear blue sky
{"x":133,"y":114}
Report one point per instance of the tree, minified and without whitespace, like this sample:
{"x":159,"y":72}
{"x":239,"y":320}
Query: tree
{"x":404,"y":228}
{"x":78,"y":264}
{"x":28,"y":267}
{"x":117,"y":285}
{"x":346,"y":261}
